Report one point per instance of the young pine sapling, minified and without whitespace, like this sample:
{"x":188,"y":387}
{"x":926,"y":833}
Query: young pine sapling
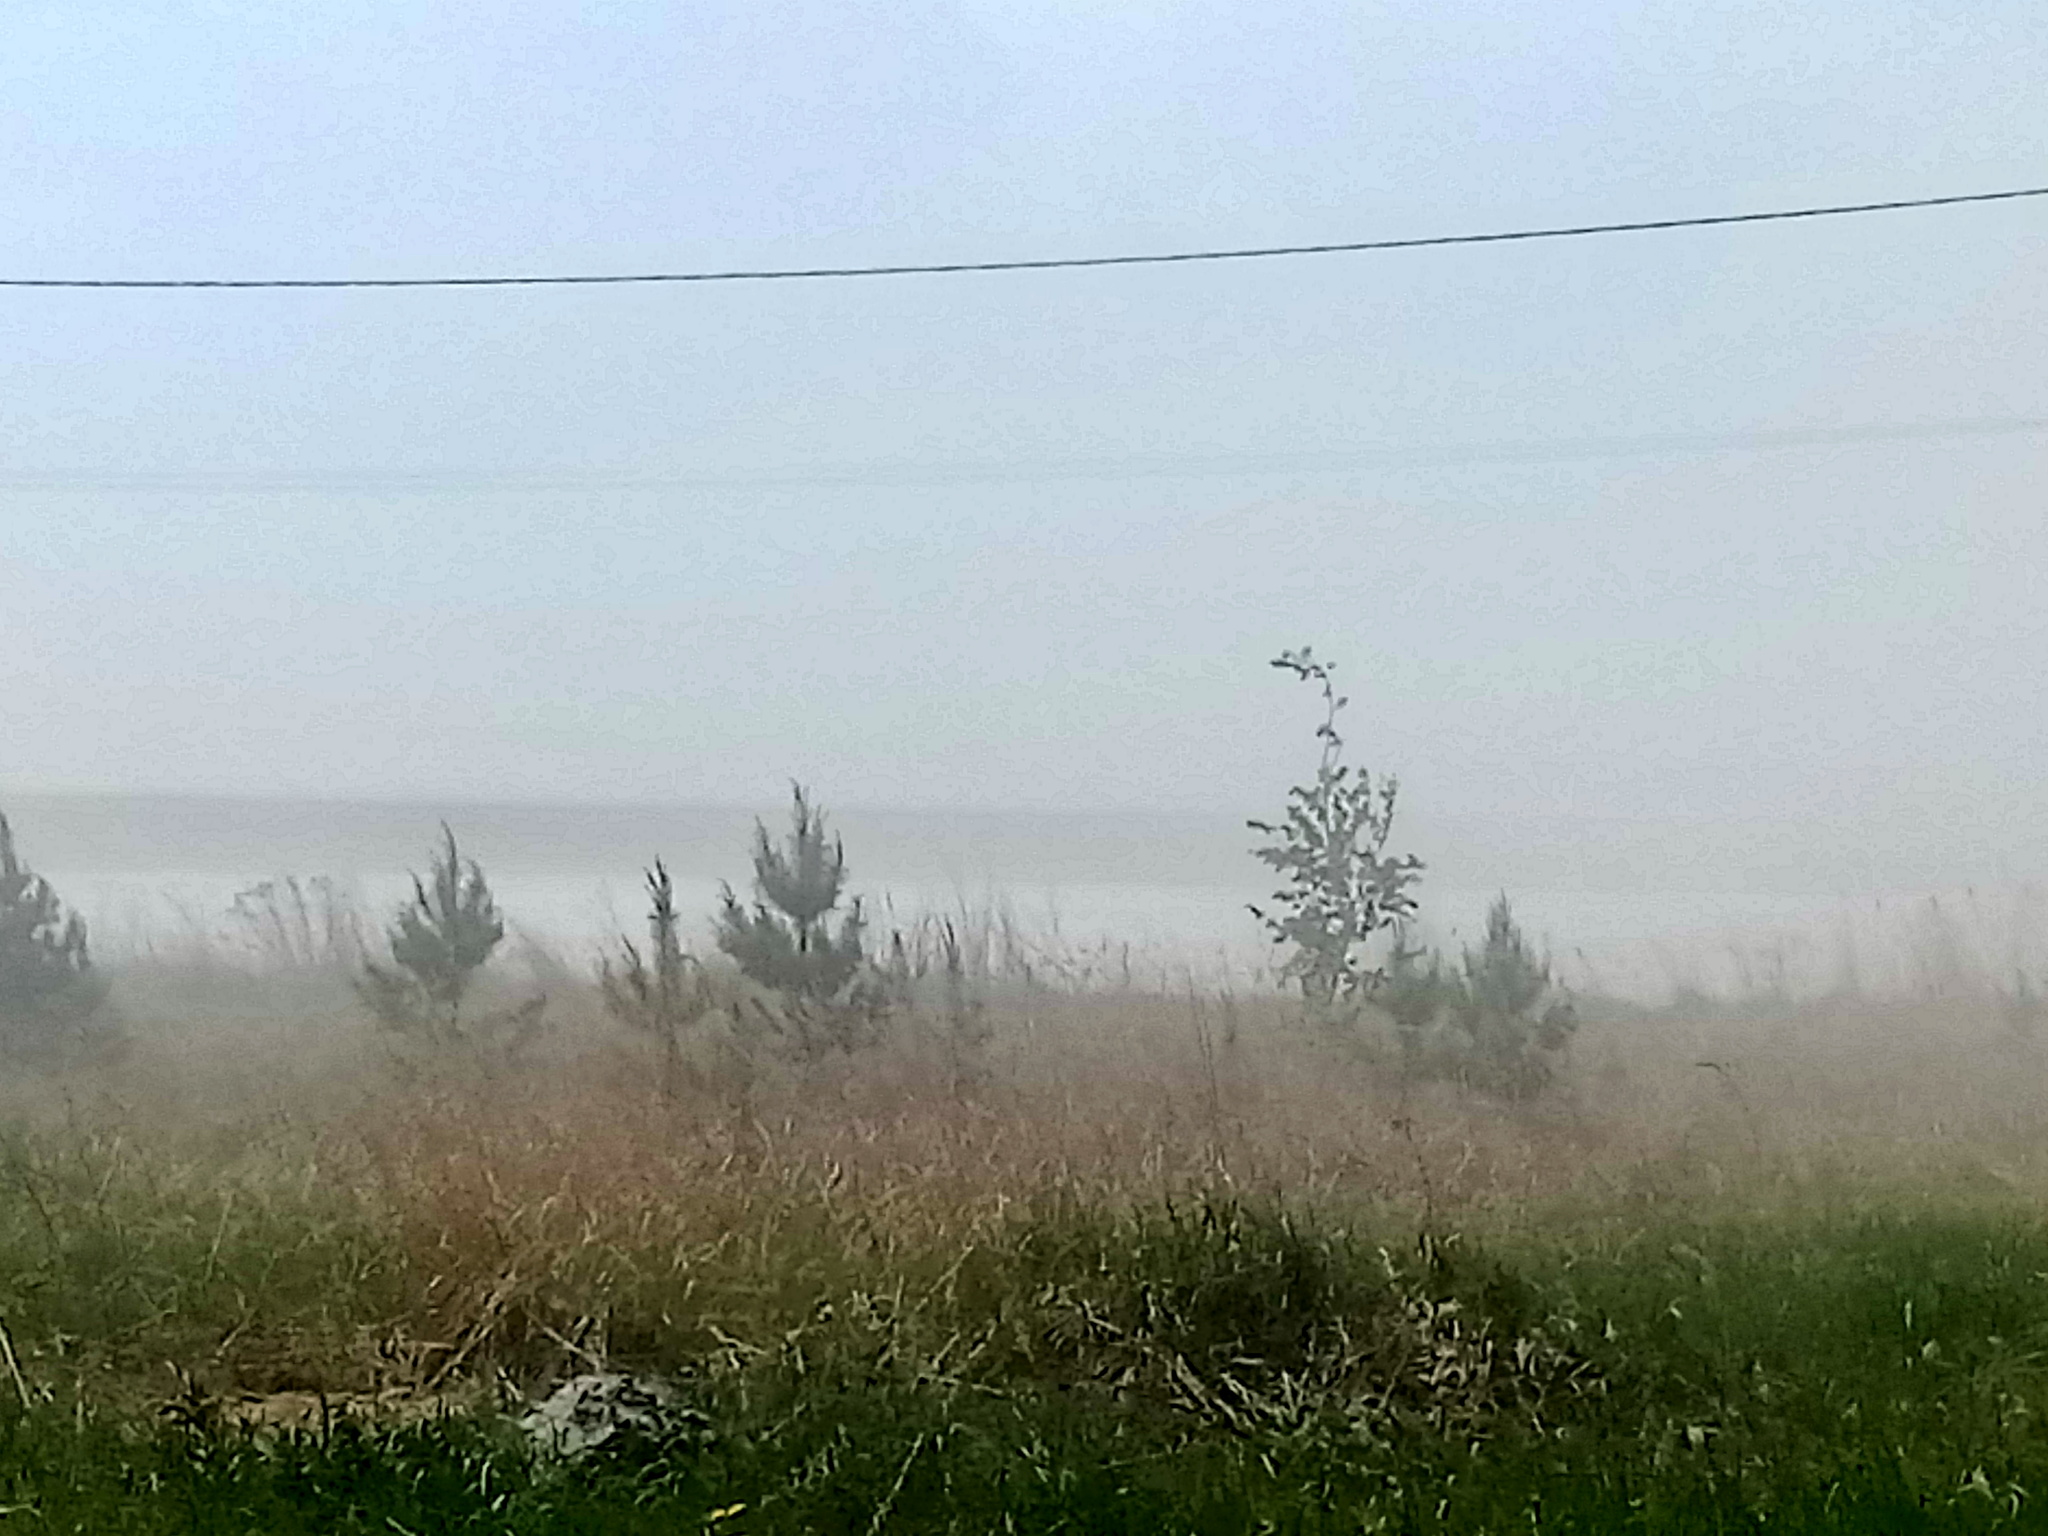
{"x":786,"y":941}
{"x":1516,"y":1024}
{"x":441,"y":938}
{"x":1496,"y":1022}
{"x":48,"y":986}
{"x":663,"y":993}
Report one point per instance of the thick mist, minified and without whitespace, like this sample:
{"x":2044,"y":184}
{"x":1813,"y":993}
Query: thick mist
{"x":971,"y":1160}
{"x":1025,"y":543}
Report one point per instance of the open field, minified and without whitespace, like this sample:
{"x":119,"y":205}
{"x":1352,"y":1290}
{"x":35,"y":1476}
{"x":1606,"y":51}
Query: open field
{"x":1052,"y":1256}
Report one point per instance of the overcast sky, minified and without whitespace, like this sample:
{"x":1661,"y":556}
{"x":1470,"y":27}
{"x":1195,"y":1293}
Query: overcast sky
{"x":1028,"y":540}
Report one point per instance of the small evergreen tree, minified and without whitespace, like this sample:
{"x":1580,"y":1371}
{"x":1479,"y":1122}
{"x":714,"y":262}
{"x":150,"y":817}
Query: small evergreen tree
{"x":786,"y":942}
{"x":442,"y":937}
{"x":47,"y":982}
{"x":1516,"y":1024}
{"x":661,"y":993}
{"x":1341,"y":888}
{"x":1496,"y":1022}
{"x":1418,"y":991}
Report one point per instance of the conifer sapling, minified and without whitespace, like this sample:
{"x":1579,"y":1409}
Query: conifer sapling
{"x":661,"y":993}
{"x":441,"y":939}
{"x":47,"y":980}
{"x":786,"y":942}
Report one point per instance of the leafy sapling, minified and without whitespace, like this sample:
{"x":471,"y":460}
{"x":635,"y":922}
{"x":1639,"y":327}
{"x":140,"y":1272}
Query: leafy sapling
{"x":1340,"y":886}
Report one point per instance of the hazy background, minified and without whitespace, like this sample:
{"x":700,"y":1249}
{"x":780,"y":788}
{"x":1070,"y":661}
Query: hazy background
{"x":1024,"y":543}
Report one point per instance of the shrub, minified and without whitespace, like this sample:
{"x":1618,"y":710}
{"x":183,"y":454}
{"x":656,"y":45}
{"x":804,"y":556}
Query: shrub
{"x":1340,"y":888}
{"x":440,"y":940}
{"x":48,"y":987}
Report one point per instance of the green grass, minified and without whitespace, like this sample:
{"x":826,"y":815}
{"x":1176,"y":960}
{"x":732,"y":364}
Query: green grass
{"x":1104,"y":1287}
{"x":1217,"y":1367}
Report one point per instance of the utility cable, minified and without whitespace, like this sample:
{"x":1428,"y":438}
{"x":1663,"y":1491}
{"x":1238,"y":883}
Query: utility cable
{"x":1047,"y":264}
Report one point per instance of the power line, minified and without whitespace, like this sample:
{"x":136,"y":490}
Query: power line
{"x":884,"y":473}
{"x":1046,"y":264}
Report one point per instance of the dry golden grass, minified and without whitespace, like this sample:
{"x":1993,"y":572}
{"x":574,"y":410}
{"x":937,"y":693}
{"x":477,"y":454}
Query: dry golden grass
{"x":1104,"y":1098}
{"x":531,"y":1217}
{"x":251,"y":1218}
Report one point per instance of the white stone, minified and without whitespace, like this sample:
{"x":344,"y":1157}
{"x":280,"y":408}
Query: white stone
{"x":585,"y":1411}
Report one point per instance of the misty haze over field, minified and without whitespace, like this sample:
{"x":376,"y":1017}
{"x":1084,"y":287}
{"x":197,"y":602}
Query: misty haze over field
{"x":678,"y":850}
{"x":1689,"y":581}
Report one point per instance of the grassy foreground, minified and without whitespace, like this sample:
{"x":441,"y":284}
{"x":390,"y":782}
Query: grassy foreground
{"x":1212,"y":1368}
{"x":1156,"y":1270}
